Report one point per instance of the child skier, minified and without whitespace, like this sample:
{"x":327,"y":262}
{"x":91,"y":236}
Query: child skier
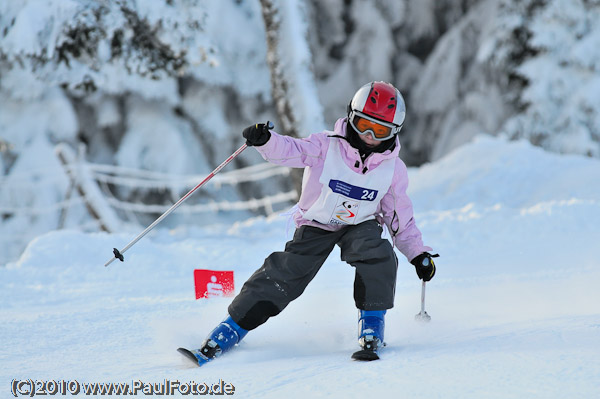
{"x":353,"y":184}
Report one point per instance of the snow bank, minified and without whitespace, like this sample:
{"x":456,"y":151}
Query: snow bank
{"x":492,"y":171}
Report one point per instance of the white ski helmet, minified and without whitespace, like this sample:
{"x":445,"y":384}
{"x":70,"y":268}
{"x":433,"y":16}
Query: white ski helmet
{"x":378,"y":102}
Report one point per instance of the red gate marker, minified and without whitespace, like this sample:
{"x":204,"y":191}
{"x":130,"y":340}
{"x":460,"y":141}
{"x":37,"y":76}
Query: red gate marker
{"x":213,"y":283}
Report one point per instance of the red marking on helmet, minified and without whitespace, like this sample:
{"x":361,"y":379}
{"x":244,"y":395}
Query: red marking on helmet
{"x":382,"y":102}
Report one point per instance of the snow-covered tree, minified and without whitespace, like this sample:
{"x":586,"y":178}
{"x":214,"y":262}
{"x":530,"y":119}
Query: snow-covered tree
{"x":168,"y":85}
{"x":459,"y":92}
{"x":528,"y":69}
{"x":289,"y":58}
{"x":162,"y":85}
{"x":561,"y":99}
{"x":358,"y":41}
{"x":292,"y":80}
{"x":467,"y":67}
{"x":353,"y":43}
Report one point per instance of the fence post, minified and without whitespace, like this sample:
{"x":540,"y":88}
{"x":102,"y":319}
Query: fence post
{"x":86,"y":187}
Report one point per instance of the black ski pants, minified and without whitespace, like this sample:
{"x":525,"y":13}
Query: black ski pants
{"x":284,"y":275}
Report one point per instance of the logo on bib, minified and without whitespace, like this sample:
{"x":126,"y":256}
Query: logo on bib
{"x":345,"y":211}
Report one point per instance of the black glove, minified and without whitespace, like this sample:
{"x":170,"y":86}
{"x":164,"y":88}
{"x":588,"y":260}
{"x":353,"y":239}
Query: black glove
{"x":258,"y":134}
{"x":424,"y":265}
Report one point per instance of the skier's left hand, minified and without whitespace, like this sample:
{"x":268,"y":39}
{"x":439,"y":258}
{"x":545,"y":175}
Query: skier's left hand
{"x":424,"y":265}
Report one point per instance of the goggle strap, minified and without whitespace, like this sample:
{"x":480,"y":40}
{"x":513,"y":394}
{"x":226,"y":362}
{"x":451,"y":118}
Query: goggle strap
{"x":370,"y":118}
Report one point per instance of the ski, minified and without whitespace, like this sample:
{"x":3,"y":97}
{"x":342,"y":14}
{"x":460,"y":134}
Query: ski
{"x":198,"y":359}
{"x":369,"y":351}
{"x":365,"y":355}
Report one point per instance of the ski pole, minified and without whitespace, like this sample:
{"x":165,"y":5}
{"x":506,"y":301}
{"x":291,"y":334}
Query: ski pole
{"x":422,"y":315}
{"x":119,"y":254}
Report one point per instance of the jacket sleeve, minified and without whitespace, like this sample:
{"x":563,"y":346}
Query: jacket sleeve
{"x":397,"y":215}
{"x":293,"y":152}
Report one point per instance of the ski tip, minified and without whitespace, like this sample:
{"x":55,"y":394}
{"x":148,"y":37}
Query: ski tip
{"x":189,"y":355}
{"x":365,"y":355}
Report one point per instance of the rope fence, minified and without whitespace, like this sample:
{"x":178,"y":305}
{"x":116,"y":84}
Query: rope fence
{"x":97,"y":185}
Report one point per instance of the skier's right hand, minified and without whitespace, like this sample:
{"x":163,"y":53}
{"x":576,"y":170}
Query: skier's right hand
{"x":424,"y":265}
{"x":256,"y":135}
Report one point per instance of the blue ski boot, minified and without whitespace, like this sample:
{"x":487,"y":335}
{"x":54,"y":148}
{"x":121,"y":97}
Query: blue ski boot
{"x":370,"y":334}
{"x":224,"y":337}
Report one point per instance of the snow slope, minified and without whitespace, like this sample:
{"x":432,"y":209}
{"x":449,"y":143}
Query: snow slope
{"x":515,"y":305}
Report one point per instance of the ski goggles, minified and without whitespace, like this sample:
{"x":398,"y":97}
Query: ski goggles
{"x":379,"y":130}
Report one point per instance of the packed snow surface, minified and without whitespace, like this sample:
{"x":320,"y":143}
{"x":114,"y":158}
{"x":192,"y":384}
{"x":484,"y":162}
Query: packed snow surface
{"x":515,"y":304}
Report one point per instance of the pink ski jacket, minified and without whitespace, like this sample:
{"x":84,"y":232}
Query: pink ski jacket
{"x":395,"y":209}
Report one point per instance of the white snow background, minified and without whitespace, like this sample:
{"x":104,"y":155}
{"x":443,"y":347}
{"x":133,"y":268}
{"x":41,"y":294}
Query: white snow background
{"x":515,"y":304}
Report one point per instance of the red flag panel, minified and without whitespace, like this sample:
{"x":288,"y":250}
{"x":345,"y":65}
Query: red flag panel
{"x":213,"y":283}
